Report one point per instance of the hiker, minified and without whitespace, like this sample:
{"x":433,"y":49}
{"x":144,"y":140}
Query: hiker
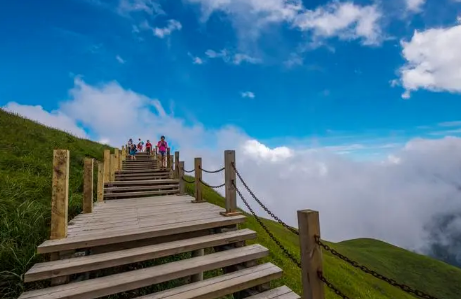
{"x":162,"y":146}
{"x":133,"y":152}
{"x":148,"y":147}
{"x":130,"y":142}
{"x":140,"y":145}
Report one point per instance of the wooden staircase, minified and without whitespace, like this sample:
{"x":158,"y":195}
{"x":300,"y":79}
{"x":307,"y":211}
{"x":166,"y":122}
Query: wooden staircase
{"x":123,"y":232}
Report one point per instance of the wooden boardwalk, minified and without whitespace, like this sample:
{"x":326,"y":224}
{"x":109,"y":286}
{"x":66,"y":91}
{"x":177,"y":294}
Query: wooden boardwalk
{"x":143,"y":215}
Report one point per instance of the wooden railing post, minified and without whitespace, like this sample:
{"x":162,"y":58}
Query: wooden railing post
{"x":198,"y":179}
{"x":311,"y":254}
{"x":100,"y":190}
{"x":168,"y":162}
{"x":182,"y":185}
{"x":106,"y":166}
{"x":230,"y":181}
{"x":155,"y":154}
{"x":87,"y":185}
{"x":59,"y":205}
{"x":60,"y":194}
{"x":112,"y":167}
{"x":116,"y":157}
{"x":176,"y":165}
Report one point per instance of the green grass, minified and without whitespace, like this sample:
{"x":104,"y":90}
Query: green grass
{"x":26,"y":150}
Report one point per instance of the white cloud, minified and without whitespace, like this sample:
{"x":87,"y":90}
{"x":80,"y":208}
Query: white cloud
{"x":150,"y":7}
{"x":228,"y":57}
{"x":432,"y":61}
{"x":450,"y":123}
{"x":195,"y":59}
{"x":414,"y":5}
{"x":395,"y":201}
{"x":345,"y":20}
{"x":120,"y":59}
{"x":53,"y":119}
{"x":247,"y":94}
{"x":172,"y":26}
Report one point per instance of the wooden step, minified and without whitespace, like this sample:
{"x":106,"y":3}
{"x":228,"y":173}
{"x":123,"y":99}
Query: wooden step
{"x":141,"y":193}
{"x":106,"y":260}
{"x":282,"y":292}
{"x":120,"y":236}
{"x":140,"y":188}
{"x":223,"y":285}
{"x":140,"y":171}
{"x":141,"y":183}
{"x":131,"y":280}
{"x":143,"y":178}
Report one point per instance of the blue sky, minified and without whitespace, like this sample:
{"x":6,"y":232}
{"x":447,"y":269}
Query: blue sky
{"x":310,"y":88}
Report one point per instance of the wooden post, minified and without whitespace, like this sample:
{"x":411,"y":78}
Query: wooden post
{"x":182,"y":184}
{"x":168,"y":162}
{"x":60,"y":194}
{"x":106,"y":166}
{"x":123,"y":155}
{"x":155,"y":154}
{"x":198,"y":276}
{"x":88,"y":185}
{"x":198,"y":179}
{"x":112,"y":167}
{"x":59,"y":205}
{"x":311,"y":254}
{"x":230,"y":180}
{"x":176,"y":165}
{"x":100,"y":182}
{"x":116,"y":157}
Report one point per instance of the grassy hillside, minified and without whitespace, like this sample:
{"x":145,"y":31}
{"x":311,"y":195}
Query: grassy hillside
{"x":26,"y":156}
{"x":25,"y":192}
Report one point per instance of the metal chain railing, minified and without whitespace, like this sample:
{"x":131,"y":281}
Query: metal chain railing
{"x":213,"y":187}
{"x":212,"y":171}
{"x":285,"y":251}
{"x":390,"y":281}
{"x":190,"y":182}
{"x":188,"y":171}
{"x":262,"y":205}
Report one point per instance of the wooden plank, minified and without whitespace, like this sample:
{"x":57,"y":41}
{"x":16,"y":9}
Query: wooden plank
{"x":223,"y":285}
{"x":230,"y":180}
{"x":101,"y":261}
{"x":141,"y":193}
{"x":60,"y":194}
{"x":100,"y":191}
{"x":126,"y":281}
{"x":134,"y":188}
{"x":112,"y":237}
{"x":112,"y":167}
{"x":282,"y":292}
{"x":198,"y":180}
{"x":87,"y":205}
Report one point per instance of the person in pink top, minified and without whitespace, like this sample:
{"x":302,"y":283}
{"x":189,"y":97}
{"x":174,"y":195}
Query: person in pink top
{"x":162,"y":145}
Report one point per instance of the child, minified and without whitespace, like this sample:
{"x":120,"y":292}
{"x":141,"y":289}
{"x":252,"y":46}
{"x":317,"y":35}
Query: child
{"x":133,"y":152}
{"x":148,"y":147}
{"x":162,"y":146}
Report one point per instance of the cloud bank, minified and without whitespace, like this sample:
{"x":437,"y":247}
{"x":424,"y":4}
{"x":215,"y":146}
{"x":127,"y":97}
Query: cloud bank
{"x":406,"y":199}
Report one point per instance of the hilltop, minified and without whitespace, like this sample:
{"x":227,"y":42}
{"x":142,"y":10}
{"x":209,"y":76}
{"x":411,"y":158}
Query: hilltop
{"x":25,"y":192}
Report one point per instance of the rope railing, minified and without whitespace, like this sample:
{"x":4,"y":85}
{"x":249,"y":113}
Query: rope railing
{"x":319,"y":242}
{"x":212,"y":171}
{"x":211,"y":186}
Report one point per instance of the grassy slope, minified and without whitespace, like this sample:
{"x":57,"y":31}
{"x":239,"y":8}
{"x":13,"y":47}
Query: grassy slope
{"x":25,"y":188}
{"x":26,"y":155}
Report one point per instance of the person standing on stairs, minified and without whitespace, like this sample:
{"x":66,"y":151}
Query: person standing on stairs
{"x":148,"y":147}
{"x":133,"y":152}
{"x":140,"y":145}
{"x":162,"y":146}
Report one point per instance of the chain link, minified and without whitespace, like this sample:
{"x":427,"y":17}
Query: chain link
{"x":390,"y":281}
{"x":212,"y":171}
{"x":188,"y":171}
{"x":190,"y":182}
{"x":331,"y":286}
{"x":287,"y":253}
{"x":293,"y":230}
{"x":213,"y":187}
